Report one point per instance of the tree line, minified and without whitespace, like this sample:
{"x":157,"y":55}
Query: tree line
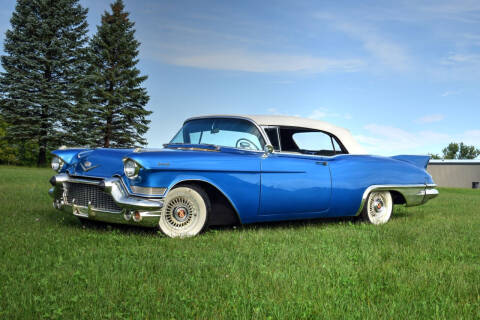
{"x":457,"y":151}
{"x":60,"y":87}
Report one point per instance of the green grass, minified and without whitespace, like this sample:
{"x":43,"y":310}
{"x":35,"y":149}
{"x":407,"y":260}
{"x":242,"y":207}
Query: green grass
{"x":425,"y":263}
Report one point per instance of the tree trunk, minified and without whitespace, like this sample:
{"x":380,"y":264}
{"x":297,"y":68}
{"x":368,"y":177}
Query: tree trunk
{"x":42,"y":156}
{"x":108,"y":129}
{"x":43,"y":138}
{"x":108,"y":132}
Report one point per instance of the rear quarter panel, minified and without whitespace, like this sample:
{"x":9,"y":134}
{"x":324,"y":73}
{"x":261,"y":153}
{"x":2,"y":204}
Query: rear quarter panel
{"x":353,"y":174}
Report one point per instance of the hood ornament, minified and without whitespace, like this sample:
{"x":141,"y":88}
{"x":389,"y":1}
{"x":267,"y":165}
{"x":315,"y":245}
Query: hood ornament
{"x":87,"y":166}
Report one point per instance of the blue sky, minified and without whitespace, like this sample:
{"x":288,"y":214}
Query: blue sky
{"x":403,"y":76}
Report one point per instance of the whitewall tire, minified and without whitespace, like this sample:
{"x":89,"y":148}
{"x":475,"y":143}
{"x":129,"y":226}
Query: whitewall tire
{"x":185,"y":212}
{"x":378,"y":207}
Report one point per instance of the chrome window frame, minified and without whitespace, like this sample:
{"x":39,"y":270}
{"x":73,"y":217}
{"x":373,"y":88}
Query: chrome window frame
{"x":331,"y":135}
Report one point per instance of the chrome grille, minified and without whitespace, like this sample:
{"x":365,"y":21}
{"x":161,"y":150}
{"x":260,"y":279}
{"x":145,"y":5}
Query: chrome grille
{"x":89,"y":193}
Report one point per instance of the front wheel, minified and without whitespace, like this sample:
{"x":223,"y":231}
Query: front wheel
{"x":185,"y":212}
{"x":378,"y":207}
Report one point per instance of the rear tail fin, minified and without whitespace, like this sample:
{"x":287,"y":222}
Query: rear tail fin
{"x":419,"y":161}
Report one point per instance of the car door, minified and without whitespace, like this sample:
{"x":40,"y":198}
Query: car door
{"x":294,"y":184}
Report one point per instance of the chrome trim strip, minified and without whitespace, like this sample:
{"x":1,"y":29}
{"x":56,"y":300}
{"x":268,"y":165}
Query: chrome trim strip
{"x":414,"y":194}
{"x":148,"y":191}
{"x":148,"y":218}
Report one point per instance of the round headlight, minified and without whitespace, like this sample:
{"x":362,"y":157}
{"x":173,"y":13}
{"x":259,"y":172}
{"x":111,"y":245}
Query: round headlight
{"x":57,"y":163}
{"x":131,"y":168}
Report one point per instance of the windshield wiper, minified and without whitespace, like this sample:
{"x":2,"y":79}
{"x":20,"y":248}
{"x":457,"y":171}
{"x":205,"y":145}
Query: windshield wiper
{"x":183,"y":145}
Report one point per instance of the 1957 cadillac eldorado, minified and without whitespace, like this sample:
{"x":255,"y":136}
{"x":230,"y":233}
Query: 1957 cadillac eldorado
{"x":238,"y":169}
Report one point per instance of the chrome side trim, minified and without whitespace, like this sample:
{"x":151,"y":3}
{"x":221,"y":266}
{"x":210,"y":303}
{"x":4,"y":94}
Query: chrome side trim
{"x":148,"y":191}
{"x":414,"y":194}
{"x":123,"y":200}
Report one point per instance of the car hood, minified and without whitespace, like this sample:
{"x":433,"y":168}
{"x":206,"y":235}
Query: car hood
{"x":102,"y":163}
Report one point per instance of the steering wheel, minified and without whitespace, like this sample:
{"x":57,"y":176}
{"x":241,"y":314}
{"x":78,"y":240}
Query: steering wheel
{"x":246,"y":140}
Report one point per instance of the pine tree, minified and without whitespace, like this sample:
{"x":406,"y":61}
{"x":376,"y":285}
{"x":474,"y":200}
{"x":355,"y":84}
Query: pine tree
{"x":118,"y":100}
{"x":45,"y":59}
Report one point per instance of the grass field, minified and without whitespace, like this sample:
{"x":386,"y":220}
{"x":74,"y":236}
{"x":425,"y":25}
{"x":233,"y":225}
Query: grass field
{"x":425,"y":263}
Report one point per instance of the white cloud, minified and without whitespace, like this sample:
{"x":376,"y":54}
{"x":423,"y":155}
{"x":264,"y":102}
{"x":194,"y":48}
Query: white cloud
{"x":276,"y":112}
{"x":471,"y":137}
{"x":384,"y":50}
{"x":388,"y":140}
{"x":473,"y":39}
{"x":448,"y":6}
{"x":322,"y":113}
{"x":316,"y":114}
{"x":462,"y":58}
{"x":240,"y":60}
{"x":431,"y":118}
{"x":450,"y":93}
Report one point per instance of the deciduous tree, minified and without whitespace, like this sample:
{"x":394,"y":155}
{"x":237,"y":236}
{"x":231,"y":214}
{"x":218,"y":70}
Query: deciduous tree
{"x":460,"y":151}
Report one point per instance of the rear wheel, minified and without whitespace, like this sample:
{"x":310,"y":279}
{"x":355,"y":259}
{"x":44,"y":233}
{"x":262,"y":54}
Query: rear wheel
{"x":185,"y":212}
{"x":378,"y":207}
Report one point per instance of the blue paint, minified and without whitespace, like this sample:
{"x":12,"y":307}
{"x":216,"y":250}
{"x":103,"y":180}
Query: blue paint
{"x":280,"y":186}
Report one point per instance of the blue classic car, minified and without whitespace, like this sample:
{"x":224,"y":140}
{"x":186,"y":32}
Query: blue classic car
{"x":228,"y":169}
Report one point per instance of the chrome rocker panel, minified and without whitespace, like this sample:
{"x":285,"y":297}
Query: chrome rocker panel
{"x":414,"y":195}
{"x":149,"y":210}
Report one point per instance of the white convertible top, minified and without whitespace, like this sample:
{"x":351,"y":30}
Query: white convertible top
{"x":342,"y":134}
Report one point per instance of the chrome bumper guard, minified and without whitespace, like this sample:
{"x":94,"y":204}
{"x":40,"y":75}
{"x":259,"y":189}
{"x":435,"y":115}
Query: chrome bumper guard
{"x":134,"y":210}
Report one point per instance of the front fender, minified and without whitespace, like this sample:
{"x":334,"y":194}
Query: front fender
{"x":242,"y":189}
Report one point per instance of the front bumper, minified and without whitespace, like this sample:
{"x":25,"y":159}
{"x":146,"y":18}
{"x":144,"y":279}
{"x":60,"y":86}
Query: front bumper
{"x":133,"y":210}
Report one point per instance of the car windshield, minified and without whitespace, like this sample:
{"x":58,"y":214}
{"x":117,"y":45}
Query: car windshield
{"x":235,"y":133}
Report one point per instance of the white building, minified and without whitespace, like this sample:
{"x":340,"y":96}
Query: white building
{"x":455,"y":173}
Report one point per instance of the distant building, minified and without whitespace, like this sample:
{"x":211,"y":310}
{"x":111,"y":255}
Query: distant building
{"x":455,"y":173}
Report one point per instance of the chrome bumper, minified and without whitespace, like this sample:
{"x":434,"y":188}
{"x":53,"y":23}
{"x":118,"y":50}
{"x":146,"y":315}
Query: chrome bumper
{"x":134,"y":210}
{"x":428,"y":193}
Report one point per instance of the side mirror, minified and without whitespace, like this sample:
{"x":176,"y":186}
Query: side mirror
{"x":268,"y":149}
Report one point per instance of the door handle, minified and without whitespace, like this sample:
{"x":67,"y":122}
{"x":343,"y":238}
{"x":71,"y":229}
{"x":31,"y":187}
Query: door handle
{"x":323,"y":163}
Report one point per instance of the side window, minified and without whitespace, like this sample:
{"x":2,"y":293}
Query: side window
{"x":315,"y":142}
{"x":272,"y":134}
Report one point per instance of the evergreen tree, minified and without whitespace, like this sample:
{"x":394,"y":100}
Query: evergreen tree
{"x":118,"y":100}
{"x":45,"y":59}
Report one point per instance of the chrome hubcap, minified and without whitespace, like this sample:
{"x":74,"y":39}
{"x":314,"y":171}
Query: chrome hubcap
{"x":180,"y":212}
{"x":377,"y":206}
